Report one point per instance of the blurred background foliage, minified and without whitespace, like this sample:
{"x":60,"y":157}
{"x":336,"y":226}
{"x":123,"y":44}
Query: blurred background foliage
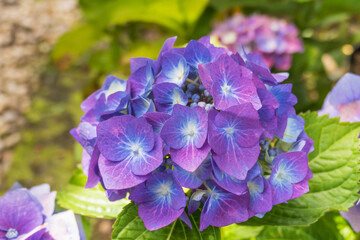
{"x":111,"y":32}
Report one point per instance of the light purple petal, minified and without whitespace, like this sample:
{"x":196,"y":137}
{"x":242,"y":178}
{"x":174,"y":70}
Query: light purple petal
{"x":190,"y":157}
{"x":223,"y":208}
{"x":261,"y":201}
{"x":45,"y":197}
{"x":196,"y":53}
{"x":118,"y":175}
{"x":110,"y":136}
{"x":164,"y":213}
{"x":227,"y":182}
{"x":193,"y":179}
{"x":156,"y":120}
{"x":174,"y":69}
{"x":20,"y":210}
{"x":150,"y":160}
{"x":238,"y":160}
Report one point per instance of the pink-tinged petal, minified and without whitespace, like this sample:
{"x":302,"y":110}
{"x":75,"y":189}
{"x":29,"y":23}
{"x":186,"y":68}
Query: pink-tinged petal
{"x":164,"y":213}
{"x":302,"y":187}
{"x":204,"y":73}
{"x":238,"y":160}
{"x":45,"y":197}
{"x":63,"y":225}
{"x":190,"y":157}
{"x":118,"y":175}
{"x":150,"y":160}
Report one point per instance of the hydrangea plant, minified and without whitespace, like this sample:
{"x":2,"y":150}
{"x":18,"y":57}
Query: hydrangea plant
{"x":200,"y":127}
{"x":275,"y":39}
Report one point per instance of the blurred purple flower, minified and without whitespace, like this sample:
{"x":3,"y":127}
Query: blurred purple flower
{"x":275,"y":39}
{"x":344,"y":99}
{"x":29,"y":214}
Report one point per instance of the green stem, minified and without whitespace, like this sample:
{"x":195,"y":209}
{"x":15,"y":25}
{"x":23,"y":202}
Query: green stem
{"x":207,"y":187}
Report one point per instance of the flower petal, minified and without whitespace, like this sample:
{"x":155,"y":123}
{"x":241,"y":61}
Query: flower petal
{"x":118,"y":175}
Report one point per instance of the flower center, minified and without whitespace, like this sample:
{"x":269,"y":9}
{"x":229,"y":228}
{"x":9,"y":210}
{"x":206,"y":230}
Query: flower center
{"x":226,"y":89}
{"x":11,"y":234}
{"x":253,"y":188}
{"x":164,"y":189}
{"x":190,"y":130}
{"x":229,"y":131}
{"x":136,"y":149}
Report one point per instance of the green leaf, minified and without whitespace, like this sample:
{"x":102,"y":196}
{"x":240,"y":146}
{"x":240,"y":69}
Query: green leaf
{"x":71,"y":45}
{"x":177,"y":15}
{"x":130,"y":226}
{"x":329,"y":227}
{"x":235,"y":231}
{"x":335,"y":166}
{"x":325,"y":228}
{"x":88,"y":202}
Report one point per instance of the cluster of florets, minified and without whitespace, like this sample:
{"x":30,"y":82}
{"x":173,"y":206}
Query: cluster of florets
{"x":29,"y":214}
{"x":200,"y":127}
{"x":275,"y":39}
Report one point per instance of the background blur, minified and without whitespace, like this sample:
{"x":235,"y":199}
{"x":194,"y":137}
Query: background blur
{"x":54,"y":53}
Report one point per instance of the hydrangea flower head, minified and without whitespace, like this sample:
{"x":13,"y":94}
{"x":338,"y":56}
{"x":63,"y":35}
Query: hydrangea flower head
{"x":275,"y":39}
{"x":203,"y":118}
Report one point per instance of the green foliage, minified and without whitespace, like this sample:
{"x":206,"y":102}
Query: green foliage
{"x":329,"y":227}
{"x":335,"y":167}
{"x":130,"y":226}
{"x":88,"y":202}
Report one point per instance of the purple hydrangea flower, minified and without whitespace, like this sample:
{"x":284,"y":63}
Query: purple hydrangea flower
{"x":166,"y":95}
{"x":233,"y":136}
{"x":229,"y":83}
{"x":289,"y":171}
{"x":198,"y":117}
{"x":185,"y":133}
{"x":28,"y":214}
{"x":275,"y":39}
{"x":130,"y":146}
{"x":344,"y":99}
{"x":161,"y":200}
{"x":111,"y":98}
